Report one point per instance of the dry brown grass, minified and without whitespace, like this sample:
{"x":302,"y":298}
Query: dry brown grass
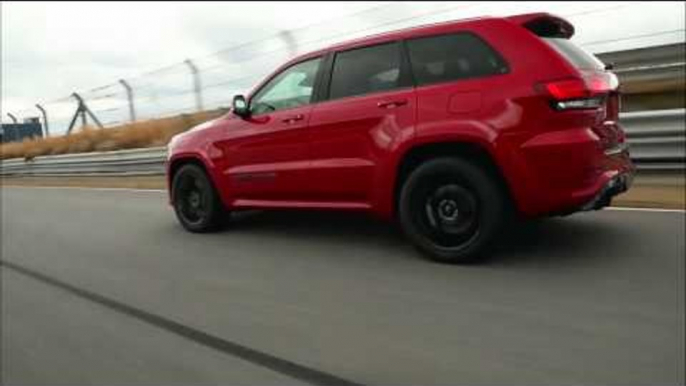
{"x":149,"y":133}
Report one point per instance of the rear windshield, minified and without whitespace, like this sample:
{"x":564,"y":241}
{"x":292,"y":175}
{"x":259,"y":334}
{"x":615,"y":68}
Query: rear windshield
{"x":576,"y":55}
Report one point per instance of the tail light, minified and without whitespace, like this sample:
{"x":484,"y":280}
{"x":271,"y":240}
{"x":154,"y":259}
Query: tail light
{"x":588,"y":92}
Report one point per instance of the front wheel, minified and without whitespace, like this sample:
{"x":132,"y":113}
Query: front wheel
{"x":196,"y":202}
{"x":451,"y":209}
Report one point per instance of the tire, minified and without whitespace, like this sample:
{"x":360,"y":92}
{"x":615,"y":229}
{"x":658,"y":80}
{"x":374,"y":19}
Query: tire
{"x":195,"y":200}
{"x":451,"y":210}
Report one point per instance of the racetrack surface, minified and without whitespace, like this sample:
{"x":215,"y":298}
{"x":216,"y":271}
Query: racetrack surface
{"x":104,"y":287}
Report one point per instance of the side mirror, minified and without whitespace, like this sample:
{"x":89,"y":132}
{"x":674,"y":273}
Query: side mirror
{"x":240,"y":106}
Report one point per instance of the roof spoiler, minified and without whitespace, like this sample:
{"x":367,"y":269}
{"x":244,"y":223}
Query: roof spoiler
{"x":544,"y":25}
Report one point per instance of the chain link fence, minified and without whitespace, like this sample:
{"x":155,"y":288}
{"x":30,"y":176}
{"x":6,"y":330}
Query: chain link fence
{"x":210,"y":81}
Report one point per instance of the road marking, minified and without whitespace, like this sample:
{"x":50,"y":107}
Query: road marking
{"x":87,"y":188}
{"x":259,"y":358}
{"x":634,"y":209}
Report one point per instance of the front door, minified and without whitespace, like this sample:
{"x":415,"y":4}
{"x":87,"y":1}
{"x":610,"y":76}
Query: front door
{"x":266,"y":154}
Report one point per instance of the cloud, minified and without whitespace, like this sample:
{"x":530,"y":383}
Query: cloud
{"x":51,"y":49}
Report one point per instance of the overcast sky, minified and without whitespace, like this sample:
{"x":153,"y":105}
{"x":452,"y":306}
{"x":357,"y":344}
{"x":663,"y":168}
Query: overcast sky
{"x":52,"y":49}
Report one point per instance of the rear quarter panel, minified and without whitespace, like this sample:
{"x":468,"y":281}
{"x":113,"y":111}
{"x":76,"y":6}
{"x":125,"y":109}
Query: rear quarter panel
{"x":499,"y":113}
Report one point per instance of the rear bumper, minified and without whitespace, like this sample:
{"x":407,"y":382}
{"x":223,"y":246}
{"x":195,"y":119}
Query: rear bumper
{"x":617,"y":185}
{"x":562,"y":172}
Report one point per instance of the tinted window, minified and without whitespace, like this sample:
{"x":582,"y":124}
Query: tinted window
{"x":291,"y":88}
{"x":365,"y":70}
{"x":575,"y":54}
{"x":451,"y":57}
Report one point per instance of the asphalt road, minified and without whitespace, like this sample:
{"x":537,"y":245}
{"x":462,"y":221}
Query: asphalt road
{"x":103,"y":287}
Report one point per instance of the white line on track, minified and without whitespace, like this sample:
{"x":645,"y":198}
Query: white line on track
{"x":84,"y":188}
{"x":633,"y":209}
{"x":617,"y":208}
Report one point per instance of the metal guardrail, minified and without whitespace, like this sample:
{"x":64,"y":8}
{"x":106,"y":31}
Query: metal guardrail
{"x":645,"y":57}
{"x":657,"y":141}
{"x":148,"y":161}
{"x":649,"y":69}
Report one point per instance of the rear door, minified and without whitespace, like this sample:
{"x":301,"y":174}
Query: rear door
{"x":595,"y":74}
{"x":370,"y":104}
{"x":556,"y":33}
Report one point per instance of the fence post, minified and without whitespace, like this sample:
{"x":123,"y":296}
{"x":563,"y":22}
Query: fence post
{"x":129,"y":96}
{"x":82,"y":110}
{"x":289,"y":39}
{"x":196,"y":83}
{"x":12,"y":117}
{"x":45,"y":119}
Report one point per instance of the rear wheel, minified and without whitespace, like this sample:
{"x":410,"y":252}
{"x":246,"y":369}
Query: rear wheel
{"x":196,"y":202}
{"x":451,"y":209}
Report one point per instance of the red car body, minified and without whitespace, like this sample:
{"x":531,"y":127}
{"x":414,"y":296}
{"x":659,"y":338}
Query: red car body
{"x":353,"y":153}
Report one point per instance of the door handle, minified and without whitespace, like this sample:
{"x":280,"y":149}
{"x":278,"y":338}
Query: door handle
{"x":391,"y":104}
{"x":293,"y":118}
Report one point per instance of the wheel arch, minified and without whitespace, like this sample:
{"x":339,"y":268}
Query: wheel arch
{"x":181,"y":160}
{"x":470,"y":150}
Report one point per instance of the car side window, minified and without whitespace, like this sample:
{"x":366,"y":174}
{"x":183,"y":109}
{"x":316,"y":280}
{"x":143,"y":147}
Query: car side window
{"x":366,"y":70}
{"x":292,"y":88}
{"x":450,"y":57}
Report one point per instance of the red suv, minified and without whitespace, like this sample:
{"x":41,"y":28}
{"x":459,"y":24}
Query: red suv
{"x":450,"y":128}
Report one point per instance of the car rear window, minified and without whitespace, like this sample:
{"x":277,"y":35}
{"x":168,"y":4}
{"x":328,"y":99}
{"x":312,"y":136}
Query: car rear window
{"x":451,"y":57}
{"x":576,"y":55}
